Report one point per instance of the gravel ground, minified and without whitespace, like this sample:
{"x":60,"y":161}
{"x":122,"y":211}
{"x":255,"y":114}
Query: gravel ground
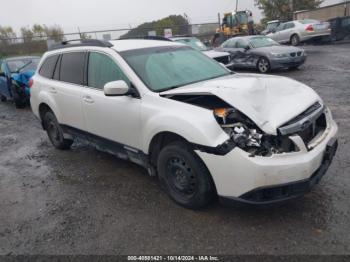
{"x":87,"y":202}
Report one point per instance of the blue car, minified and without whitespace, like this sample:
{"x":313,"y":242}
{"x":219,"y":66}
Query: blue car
{"x":15,"y":74}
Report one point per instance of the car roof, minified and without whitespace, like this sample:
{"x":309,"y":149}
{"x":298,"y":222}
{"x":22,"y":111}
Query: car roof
{"x":21,"y":57}
{"x":131,"y":44}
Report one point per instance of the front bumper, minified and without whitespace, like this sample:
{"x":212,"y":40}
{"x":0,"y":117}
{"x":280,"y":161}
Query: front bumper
{"x":248,"y":179}
{"x":281,"y":193}
{"x":279,"y":63}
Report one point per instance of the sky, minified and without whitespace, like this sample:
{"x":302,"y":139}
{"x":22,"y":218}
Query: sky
{"x":91,"y":15}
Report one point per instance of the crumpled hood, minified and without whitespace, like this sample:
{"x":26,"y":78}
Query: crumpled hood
{"x":215,"y":54}
{"x":270,"y":101}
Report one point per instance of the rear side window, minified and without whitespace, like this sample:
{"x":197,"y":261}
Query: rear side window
{"x":48,"y":66}
{"x":72,"y":67}
{"x":103,"y":70}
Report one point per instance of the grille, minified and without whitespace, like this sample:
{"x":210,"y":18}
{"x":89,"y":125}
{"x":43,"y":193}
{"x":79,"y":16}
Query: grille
{"x":223,"y":59}
{"x":307,"y":125}
{"x":294,"y":54}
{"x":304,"y":114}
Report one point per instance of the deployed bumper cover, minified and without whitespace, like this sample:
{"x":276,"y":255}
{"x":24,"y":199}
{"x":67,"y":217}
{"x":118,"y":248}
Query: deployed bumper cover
{"x":265,"y":180}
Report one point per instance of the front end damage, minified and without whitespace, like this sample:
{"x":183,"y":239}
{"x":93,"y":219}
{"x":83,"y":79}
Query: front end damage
{"x":257,"y":167}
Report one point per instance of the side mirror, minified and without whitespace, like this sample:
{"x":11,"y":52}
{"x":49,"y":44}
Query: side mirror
{"x":273,"y":31}
{"x":116,"y":88}
{"x":247,"y":48}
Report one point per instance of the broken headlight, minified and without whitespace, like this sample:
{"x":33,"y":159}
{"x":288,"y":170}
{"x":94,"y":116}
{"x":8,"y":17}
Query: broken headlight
{"x":247,"y":136}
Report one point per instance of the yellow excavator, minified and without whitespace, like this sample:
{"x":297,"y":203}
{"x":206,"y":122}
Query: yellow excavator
{"x":233,"y":24}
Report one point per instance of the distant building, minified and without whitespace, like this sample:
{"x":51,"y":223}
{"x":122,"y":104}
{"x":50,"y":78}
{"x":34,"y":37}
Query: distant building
{"x":325,"y":13}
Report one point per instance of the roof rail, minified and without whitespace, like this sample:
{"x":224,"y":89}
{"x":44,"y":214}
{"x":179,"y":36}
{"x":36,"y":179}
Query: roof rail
{"x":148,"y":37}
{"x":80,"y":42}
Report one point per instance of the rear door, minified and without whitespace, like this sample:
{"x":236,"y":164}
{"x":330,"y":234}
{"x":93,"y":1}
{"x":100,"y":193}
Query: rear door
{"x":287,"y":32}
{"x":66,"y":88}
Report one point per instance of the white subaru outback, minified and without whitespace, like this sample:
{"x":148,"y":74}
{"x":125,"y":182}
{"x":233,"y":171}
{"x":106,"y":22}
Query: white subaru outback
{"x":202,"y":129}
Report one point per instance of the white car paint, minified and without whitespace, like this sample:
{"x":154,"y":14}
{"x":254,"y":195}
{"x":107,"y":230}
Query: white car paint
{"x":270,"y":101}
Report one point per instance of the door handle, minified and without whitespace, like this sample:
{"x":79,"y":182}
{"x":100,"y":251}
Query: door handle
{"x":88,"y":99}
{"x":53,"y":90}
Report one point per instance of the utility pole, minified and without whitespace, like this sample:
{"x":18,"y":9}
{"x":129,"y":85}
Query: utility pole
{"x":236,"y":6}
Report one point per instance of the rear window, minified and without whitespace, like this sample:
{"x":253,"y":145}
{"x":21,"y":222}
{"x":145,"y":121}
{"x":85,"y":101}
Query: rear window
{"x":48,"y":66}
{"x":72,"y":67}
{"x":309,"y":21}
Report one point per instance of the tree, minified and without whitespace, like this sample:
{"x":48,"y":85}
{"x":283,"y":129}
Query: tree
{"x":177,"y":23}
{"x":54,"y":32}
{"x":7,"y":35}
{"x":284,"y":9}
{"x":38,"y":31}
{"x":27,"y":34}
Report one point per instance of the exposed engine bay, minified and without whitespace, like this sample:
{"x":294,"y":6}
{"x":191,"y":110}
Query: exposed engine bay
{"x":243,"y":132}
{"x":247,"y":136}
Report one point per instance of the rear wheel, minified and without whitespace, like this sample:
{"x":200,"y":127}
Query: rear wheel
{"x":3,"y":98}
{"x":55,"y":133}
{"x":263,"y":65}
{"x":295,"y":40}
{"x":184,"y":176}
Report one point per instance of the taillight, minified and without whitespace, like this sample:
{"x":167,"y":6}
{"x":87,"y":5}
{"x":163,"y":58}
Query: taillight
{"x":31,"y":82}
{"x":310,"y":28}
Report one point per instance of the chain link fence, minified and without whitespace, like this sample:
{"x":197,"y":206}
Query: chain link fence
{"x":37,"y":45}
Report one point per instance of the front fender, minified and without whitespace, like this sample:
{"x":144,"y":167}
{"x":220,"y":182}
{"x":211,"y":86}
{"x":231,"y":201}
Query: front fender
{"x":202,"y":131}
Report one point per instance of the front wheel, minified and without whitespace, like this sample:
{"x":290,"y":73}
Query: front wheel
{"x":55,"y":133}
{"x":263,"y":65}
{"x":295,"y":40}
{"x":184,"y":176}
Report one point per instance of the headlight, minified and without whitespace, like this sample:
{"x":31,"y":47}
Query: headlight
{"x":279,"y":55}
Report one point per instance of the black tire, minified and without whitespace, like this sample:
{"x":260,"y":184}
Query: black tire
{"x":184,"y":176}
{"x":3,"y":98}
{"x":55,"y":133}
{"x":295,"y":40}
{"x":263,"y":65}
{"x":18,"y":97}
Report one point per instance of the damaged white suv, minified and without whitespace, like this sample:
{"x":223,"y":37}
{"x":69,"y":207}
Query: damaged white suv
{"x":203,"y":130}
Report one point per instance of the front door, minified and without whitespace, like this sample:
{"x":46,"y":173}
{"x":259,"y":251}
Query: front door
{"x":114,"y":118}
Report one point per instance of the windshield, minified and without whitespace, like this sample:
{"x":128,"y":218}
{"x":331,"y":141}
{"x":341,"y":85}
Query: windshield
{"x":165,"y":68}
{"x":194,"y":43}
{"x":257,"y":42}
{"x":23,"y":64}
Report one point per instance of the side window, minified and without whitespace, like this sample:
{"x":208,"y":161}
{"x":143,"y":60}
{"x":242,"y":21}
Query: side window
{"x":241,"y":43}
{"x":102,"y":69}
{"x":280,"y":27}
{"x":72,"y":67}
{"x":230,"y":44}
{"x":288,"y":26}
{"x":48,"y":66}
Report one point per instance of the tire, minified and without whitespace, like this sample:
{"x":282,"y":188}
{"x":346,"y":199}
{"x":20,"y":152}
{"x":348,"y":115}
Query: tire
{"x":295,"y":40}
{"x":55,"y":133}
{"x":184,"y":176}
{"x":3,"y":98}
{"x":263,"y":65}
{"x":18,"y":98}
